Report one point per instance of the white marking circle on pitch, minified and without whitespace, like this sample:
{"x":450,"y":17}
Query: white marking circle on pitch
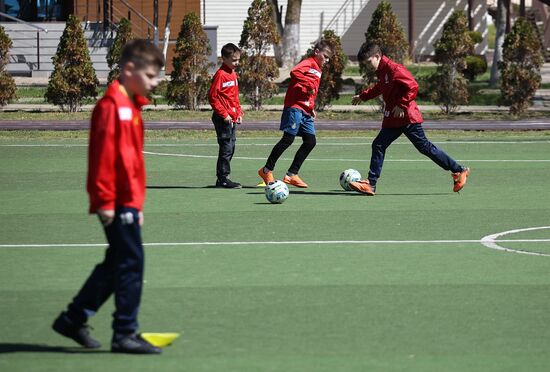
{"x":490,"y":241}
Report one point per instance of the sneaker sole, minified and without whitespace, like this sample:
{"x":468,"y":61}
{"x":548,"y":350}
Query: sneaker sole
{"x":299,"y":186}
{"x":368,"y":193}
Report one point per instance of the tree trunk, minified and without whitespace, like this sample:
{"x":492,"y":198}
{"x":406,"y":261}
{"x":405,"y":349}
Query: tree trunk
{"x":500,"y":24}
{"x":167,"y":30}
{"x":277,"y":18}
{"x":291,"y":36}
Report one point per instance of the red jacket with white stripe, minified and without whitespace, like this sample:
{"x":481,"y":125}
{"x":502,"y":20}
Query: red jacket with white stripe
{"x":224,"y":93}
{"x":398,"y":88}
{"x":116,"y":167}
{"x":304,"y":77}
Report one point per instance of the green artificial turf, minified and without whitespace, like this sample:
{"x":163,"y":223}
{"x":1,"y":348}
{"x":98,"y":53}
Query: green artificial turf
{"x":442,"y":303}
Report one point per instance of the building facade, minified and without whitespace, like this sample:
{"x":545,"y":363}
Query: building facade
{"x":351,"y":18}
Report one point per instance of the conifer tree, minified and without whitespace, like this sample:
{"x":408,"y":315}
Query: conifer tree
{"x":257,"y":72}
{"x":123,"y":36}
{"x":448,"y":86}
{"x":189,"y":80}
{"x":73,"y":78}
{"x":520,"y":66}
{"x":386,"y":31}
{"x":331,"y":78}
{"x":7,"y":84}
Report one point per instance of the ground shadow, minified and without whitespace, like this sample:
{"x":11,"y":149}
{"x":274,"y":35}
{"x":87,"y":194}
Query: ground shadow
{"x":178,"y":187}
{"x":417,"y":194}
{"x":168,"y":187}
{"x":38,"y":348}
{"x":349,"y":193}
{"x":313,"y":193}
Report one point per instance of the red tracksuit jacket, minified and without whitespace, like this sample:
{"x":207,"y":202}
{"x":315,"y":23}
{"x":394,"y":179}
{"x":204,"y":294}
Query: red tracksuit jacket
{"x":305,"y":76}
{"x":398,"y":88}
{"x":224,"y":93}
{"x":116,"y":168}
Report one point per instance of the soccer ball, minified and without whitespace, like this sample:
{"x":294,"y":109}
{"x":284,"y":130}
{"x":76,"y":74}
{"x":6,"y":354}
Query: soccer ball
{"x":276,"y":192}
{"x":348,"y":176}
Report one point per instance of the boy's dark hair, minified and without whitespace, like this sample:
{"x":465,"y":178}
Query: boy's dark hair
{"x":142,"y":53}
{"x":229,"y":49}
{"x":323,"y":45}
{"x":368,"y":49}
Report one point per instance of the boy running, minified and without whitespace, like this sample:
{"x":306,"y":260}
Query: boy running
{"x":116,"y":186}
{"x":298,"y":115}
{"x":401,"y":116}
{"x":224,"y":99}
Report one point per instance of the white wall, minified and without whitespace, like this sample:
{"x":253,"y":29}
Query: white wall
{"x":430,"y":15}
{"x":230,"y":16}
{"x":316,"y":14}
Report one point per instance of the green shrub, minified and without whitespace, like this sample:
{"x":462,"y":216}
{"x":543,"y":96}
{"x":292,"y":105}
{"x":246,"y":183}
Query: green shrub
{"x":448,"y":85}
{"x":123,"y":36}
{"x":331,"y":78}
{"x":189,"y":80}
{"x":522,"y":59}
{"x":73,"y":78}
{"x":475,"y":65}
{"x":476,"y":36}
{"x":257,"y":72}
{"x":7,"y":84}
{"x":386,"y":31}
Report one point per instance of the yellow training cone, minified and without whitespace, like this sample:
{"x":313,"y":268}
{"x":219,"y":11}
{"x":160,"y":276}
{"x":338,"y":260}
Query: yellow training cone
{"x":160,"y":339}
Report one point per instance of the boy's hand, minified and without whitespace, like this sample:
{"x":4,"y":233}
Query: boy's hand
{"x":141,"y":219}
{"x":240,"y":120}
{"x":313,"y":113}
{"x":228,"y":120}
{"x":355,"y":100}
{"x":106,"y":216}
{"x":398,"y":112}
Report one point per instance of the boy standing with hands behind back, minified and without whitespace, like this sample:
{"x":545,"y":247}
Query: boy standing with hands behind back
{"x":224,"y":99}
{"x":116,"y":186}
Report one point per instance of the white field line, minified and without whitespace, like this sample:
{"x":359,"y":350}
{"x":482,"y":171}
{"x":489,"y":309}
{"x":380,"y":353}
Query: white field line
{"x":319,"y":143}
{"x":492,"y":241}
{"x":288,"y":242}
{"x":355,"y":160}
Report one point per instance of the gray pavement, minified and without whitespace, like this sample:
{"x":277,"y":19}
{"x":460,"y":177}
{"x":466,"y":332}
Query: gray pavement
{"x":41,"y":107}
{"x":475,"y":125}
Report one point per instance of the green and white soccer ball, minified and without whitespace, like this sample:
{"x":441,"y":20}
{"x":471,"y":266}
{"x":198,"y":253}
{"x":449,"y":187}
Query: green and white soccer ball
{"x":276,"y":192}
{"x":348,"y":176}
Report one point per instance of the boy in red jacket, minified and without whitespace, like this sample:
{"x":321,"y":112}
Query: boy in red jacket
{"x":298,"y":114}
{"x":116,"y":186}
{"x":401,"y":116}
{"x":224,"y":99}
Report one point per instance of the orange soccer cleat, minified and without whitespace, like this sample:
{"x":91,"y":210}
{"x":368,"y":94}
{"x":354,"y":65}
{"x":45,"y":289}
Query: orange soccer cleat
{"x":364,"y":187}
{"x":295,"y":180}
{"x":460,"y":178}
{"x":266,"y":176}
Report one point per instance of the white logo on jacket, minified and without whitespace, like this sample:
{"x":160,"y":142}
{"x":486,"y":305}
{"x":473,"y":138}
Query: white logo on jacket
{"x":125,"y":113}
{"x":315,"y":72}
{"x":231,"y":83}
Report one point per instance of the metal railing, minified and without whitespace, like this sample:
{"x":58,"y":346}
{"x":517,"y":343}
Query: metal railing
{"x":155,"y":28}
{"x":40,"y":29}
{"x":97,"y":11}
{"x":345,"y":16}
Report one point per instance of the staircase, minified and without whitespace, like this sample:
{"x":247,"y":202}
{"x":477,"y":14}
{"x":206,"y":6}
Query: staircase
{"x":346,"y":15}
{"x":31,"y":48}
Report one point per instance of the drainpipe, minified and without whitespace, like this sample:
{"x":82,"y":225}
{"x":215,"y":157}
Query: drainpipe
{"x":471,"y":15}
{"x":411,"y":29}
